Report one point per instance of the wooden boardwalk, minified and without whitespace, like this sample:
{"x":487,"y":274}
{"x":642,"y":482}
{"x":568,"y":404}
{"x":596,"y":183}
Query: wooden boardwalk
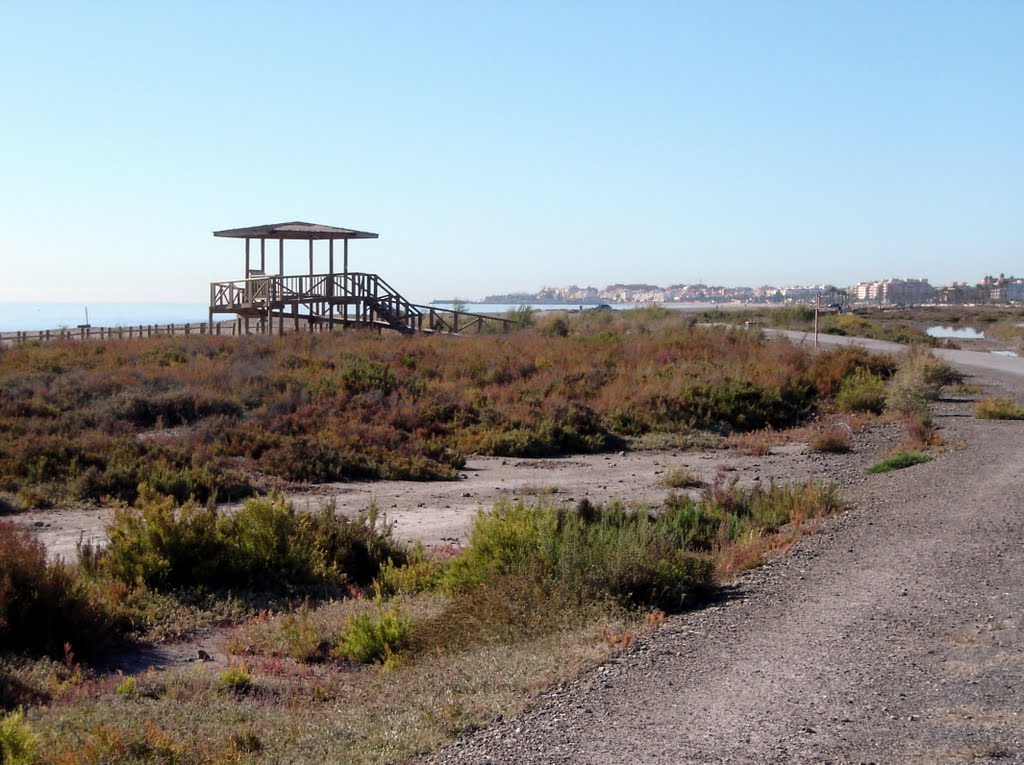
{"x":338,"y":300}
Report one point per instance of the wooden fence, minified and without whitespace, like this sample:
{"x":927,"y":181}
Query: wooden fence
{"x":233,"y":327}
{"x":429,"y":320}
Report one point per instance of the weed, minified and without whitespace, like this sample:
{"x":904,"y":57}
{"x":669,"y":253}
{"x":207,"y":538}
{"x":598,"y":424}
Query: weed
{"x":863,"y":391}
{"x":374,"y":636}
{"x":834,"y":438}
{"x":126,"y":688}
{"x":538,"y":490}
{"x":680,"y":478}
{"x":917,"y":382}
{"x":521,"y":316}
{"x":921,"y":431}
{"x":967,"y":389}
{"x":754,"y":444}
{"x":301,"y":637}
{"x":992,"y":408}
{"x":246,"y":742}
{"x":236,"y":678}
{"x":18,"y":743}
{"x":899,"y":460}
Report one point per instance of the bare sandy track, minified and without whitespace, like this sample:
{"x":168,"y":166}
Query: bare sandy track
{"x":893,"y":636}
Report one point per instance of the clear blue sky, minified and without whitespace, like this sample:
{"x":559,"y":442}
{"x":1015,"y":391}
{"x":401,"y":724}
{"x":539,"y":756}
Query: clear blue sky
{"x":508,"y":146}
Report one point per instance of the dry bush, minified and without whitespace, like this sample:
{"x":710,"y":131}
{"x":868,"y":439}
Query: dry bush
{"x":991,"y":408}
{"x":918,"y":381}
{"x":680,"y":478}
{"x":834,"y":438}
{"x":755,"y":444}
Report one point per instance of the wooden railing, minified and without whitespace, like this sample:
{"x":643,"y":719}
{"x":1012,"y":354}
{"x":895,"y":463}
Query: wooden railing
{"x":462,"y":322}
{"x":121,"y":333}
{"x":374,"y":300}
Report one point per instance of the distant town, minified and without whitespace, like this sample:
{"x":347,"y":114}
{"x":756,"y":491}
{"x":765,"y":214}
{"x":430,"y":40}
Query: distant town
{"x":991,"y":289}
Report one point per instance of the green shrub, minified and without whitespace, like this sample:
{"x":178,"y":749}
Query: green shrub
{"x":43,"y":606}
{"x":236,"y":678}
{"x":374,"y":636}
{"x":635,"y":558}
{"x":863,"y":391}
{"x":791,"y":316}
{"x":164,"y":545}
{"x":18,"y":743}
{"x":126,"y":688}
{"x":899,"y":460}
{"x":991,"y":408}
{"x":419,"y":573}
{"x":592,"y":553}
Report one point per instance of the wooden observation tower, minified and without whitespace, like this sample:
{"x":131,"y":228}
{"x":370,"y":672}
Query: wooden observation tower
{"x":321,"y":299}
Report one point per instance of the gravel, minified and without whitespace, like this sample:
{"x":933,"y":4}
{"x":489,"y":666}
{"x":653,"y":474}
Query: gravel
{"x":893,"y":635}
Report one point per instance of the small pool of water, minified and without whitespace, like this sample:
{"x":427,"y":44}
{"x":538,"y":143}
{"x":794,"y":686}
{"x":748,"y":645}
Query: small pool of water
{"x":1004,"y":353}
{"x":963,"y":333}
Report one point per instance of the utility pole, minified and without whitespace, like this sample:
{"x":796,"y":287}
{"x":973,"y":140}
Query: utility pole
{"x":817,"y":307}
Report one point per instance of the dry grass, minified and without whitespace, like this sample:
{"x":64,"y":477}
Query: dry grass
{"x":680,"y":478}
{"x":757,"y":443}
{"x":992,"y":408}
{"x":832,"y":438}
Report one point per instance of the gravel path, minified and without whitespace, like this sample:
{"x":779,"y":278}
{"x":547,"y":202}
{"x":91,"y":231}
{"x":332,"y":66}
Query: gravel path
{"x":894,"y":635}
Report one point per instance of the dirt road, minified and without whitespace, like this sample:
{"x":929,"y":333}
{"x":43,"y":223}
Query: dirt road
{"x":893,"y":636}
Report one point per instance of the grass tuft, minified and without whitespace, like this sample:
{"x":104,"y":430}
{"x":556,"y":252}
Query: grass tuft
{"x":899,"y":460}
{"x":371,"y":636}
{"x":680,"y":478}
{"x":236,"y":678}
{"x":1003,"y":408}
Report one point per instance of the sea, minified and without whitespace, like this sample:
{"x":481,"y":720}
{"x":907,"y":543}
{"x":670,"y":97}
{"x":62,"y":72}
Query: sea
{"x":22,"y":317}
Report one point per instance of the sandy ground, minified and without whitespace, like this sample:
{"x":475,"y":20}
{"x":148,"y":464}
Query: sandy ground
{"x":440,"y":512}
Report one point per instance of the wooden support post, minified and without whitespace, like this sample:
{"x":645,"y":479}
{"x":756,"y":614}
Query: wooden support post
{"x":817,"y":307}
{"x":280,"y":257}
{"x":247,"y":257}
{"x":310,"y":258}
{"x":346,"y":256}
{"x":263,"y":255}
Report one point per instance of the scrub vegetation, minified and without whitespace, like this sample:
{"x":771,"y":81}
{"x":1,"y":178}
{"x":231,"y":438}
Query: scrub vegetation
{"x":435,"y":644}
{"x":339,"y":643}
{"x":227,"y":418}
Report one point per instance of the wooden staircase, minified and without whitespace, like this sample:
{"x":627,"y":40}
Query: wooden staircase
{"x":318,"y":301}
